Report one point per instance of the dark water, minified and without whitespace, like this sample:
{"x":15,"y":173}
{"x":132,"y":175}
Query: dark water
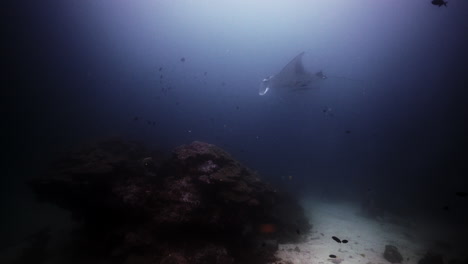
{"x":390,"y":119}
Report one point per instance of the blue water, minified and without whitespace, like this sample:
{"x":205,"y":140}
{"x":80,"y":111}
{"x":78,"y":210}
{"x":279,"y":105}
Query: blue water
{"x":395,"y":98}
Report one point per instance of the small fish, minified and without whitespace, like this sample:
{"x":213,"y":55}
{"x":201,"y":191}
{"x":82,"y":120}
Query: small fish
{"x":461,"y":194}
{"x":182,"y":59}
{"x":205,"y":73}
{"x":344,"y":241}
{"x":154,"y":123}
{"x":348,"y":131}
{"x":321,"y":75}
{"x":327,"y":111}
{"x":237,"y":107}
{"x":160,"y":68}
{"x":160,"y":76}
{"x":332,"y":256}
{"x":445,"y":208}
{"x":336,"y":239}
{"x":439,"y":3}
{"x":135,"y":118}
{"x":147,"y":161}
{"x":149,"y":122}
{"x":298,"y":232}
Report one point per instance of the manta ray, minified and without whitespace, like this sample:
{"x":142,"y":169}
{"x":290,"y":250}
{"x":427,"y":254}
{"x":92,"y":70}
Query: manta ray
{"x":293,"y":77}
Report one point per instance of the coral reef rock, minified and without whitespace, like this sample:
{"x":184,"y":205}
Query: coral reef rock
{"x":198,"y":206}
{"x":392,"y":254}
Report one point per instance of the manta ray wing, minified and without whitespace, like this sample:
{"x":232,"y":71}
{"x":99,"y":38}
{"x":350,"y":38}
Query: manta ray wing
{"x":293,"y":76}
{"x":290,"y":73}
{"x":295,"y":66}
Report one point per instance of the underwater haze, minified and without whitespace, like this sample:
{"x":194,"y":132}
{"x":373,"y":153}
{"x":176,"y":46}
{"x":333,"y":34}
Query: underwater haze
{"x":388,"y":122}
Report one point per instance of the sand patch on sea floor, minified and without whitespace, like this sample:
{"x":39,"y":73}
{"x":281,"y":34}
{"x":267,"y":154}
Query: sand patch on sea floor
{"x":367,"y":237}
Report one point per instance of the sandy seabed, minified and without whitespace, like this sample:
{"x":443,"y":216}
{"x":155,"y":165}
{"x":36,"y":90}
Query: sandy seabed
{"x":366,"y":237}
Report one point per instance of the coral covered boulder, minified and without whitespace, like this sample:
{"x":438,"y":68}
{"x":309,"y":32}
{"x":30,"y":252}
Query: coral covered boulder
{"x":198,"y":206}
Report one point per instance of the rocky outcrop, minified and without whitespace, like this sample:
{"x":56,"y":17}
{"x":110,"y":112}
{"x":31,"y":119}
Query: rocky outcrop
{"x":198,"y":206}
{"x":392,"y":254}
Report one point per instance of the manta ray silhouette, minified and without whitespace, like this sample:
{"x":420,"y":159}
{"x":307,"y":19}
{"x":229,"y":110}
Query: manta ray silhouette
{"x":293,"y":77}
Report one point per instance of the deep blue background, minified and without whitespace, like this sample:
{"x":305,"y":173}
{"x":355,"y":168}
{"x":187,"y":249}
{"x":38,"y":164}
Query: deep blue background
{"x":78,"y":71}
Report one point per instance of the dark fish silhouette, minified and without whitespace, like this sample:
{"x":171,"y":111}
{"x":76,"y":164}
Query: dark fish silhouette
{"x":336,"y":239}
{"x":461,"y":194}
{"x":332,"y":256}
{"x":135,"y":118}
{"x":160,"y":68}
{"x":182,"y":59}
{"x":298,"y":232}
{"x":321,"y":75}
{"x":439,"y":3}
{"x":237,"y":107}
{"x":348,"y":131}
{"x":327,"y":110}
{"x":344,"y":241}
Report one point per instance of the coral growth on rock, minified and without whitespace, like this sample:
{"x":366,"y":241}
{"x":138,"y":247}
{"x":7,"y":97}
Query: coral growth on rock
{"x":198,"y":206}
